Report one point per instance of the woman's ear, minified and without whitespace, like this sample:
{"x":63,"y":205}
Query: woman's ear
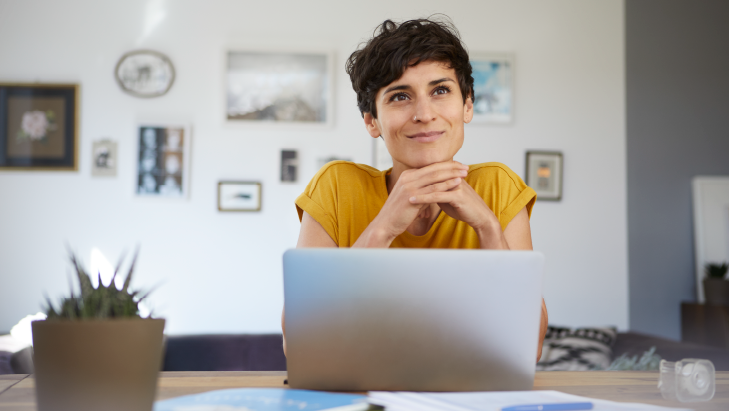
{"x":372,"y":125}
{"x":468,"y":110}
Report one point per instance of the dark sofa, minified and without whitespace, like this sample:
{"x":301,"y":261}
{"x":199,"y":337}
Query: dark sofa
{"x":263,"y":352}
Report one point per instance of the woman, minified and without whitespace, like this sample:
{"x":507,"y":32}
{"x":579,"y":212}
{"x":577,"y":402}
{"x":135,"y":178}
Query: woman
{"x":415,"y":90}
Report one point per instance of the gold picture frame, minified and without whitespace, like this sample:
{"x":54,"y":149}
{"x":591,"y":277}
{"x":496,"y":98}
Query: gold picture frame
{"x":39,"y":127}
{"x":239,"y":196}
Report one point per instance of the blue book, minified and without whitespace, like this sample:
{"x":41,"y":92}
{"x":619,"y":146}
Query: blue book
{"x":264,"y":399}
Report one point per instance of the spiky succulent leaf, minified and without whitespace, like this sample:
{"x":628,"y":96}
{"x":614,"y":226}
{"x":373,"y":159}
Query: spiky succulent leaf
{"x":131,"y":270}
{"x":101,"y":302}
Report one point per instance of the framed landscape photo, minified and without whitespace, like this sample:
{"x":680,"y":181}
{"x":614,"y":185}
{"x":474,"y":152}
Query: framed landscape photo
{"x":39,"y":126}
{"x":279,"y":87}
{"x":239,"y":196}
{"x":493,"y":88}
{"x":544,"y":173}
{"x":163,"y":160}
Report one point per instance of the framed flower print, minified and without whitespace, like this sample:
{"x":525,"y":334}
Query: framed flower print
{"x":39,"y":127}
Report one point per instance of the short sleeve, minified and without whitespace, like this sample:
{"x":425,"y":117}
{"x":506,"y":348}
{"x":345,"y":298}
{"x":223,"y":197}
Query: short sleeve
{"x":518,"y":194}
{"x":319,"y":200}
{"x":503,"y":191}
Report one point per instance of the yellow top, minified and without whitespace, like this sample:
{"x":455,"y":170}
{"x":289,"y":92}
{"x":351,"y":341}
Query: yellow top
{"x":345,"y":197}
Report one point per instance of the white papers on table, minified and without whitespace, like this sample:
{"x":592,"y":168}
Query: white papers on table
{"x":493,"y":400}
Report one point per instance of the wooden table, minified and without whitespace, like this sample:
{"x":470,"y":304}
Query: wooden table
{"x":17,"y":391}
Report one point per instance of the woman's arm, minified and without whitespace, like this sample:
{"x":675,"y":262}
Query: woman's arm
{"x":518,"y":237}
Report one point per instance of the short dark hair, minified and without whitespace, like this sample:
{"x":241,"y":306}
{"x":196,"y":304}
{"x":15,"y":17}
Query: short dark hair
{"x":395,"y":47}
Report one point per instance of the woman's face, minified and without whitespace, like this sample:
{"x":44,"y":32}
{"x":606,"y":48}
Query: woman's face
{"x":421,"y":116}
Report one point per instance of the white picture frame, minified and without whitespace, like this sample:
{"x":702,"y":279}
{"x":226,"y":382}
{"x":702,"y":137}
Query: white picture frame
{"x":494,"y":87}
{"x":163,"y":160}
{"x":239,"y":196}
{"x":104,"y":158}
{"x":278,"y":87}
{"x":710,"y":217}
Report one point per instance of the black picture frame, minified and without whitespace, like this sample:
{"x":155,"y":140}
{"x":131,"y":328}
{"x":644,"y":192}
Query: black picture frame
{"x":32,"y":135}
{"x":544,"y":174}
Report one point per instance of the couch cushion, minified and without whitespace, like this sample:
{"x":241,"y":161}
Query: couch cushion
{"x":581,"y":349}
{"x":225,"y":352}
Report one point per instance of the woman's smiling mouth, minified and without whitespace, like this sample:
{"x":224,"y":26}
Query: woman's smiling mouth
{"x":426,"y":137}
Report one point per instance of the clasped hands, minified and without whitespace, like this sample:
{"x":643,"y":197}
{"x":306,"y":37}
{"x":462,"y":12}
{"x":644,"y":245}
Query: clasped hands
{"x":442,"y":184}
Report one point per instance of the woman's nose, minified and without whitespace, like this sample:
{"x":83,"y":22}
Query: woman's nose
{"x":424,"y":112}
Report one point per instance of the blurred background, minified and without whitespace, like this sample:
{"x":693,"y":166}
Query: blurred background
{"x":632,"y":93}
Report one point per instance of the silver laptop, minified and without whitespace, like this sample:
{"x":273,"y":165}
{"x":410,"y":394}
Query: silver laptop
{"x":412,"y":319}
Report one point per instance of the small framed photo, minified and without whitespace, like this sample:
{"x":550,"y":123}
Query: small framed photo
{"x":104,"y":158}
{"x":544,"y":173}
{"x":239,"y":196}
{"x":39,"y":126}
{"x":289,"y":166}
{"x":493,"y":88}
{"x":279,"y":87}
{"x":163,"y":161}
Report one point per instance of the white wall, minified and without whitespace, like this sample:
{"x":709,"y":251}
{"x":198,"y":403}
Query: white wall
{"x":222,"y":272}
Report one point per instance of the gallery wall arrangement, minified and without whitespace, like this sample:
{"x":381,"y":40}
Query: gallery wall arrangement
{"x":198,"y":130}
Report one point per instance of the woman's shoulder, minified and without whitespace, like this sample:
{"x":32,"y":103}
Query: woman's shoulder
{"x":344,"y":172}
{"x":348,"y":168}
{"x":494,"y":173}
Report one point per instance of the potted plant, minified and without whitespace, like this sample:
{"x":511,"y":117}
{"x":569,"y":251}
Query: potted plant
{"x":95,"y":351}
{"x":715,"y":284}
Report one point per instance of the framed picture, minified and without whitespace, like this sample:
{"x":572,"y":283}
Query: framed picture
{"x":163,"y":161}
{"x":145,"y":73}
{"x":289,"y":166}
{"x":239,"y":196}
{"x":104,"y":158}
{"x":544,"y":173}
{"x":294,"y":88}
{"x":381,"y":157}
{"x":39,"y":126}
{"x":493,"y":87}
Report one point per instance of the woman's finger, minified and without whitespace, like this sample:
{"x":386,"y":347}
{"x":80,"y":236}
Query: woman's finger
{"x":432,"y":171}
{"x":447,"y":185}
{"x":437,"y":197}
{"x":439,"y":176}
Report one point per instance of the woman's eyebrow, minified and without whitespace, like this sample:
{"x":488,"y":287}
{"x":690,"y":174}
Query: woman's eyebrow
{"x":441,"y":80}
{"x":407,"y":87}
{"x":396,"y":88}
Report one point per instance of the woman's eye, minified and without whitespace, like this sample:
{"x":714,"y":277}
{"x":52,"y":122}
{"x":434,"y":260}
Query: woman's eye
{"x":441,"y":90}
{"x":399,"y":97}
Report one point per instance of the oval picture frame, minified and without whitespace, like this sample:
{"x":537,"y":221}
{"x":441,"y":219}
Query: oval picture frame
{"x":145,"y":73}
